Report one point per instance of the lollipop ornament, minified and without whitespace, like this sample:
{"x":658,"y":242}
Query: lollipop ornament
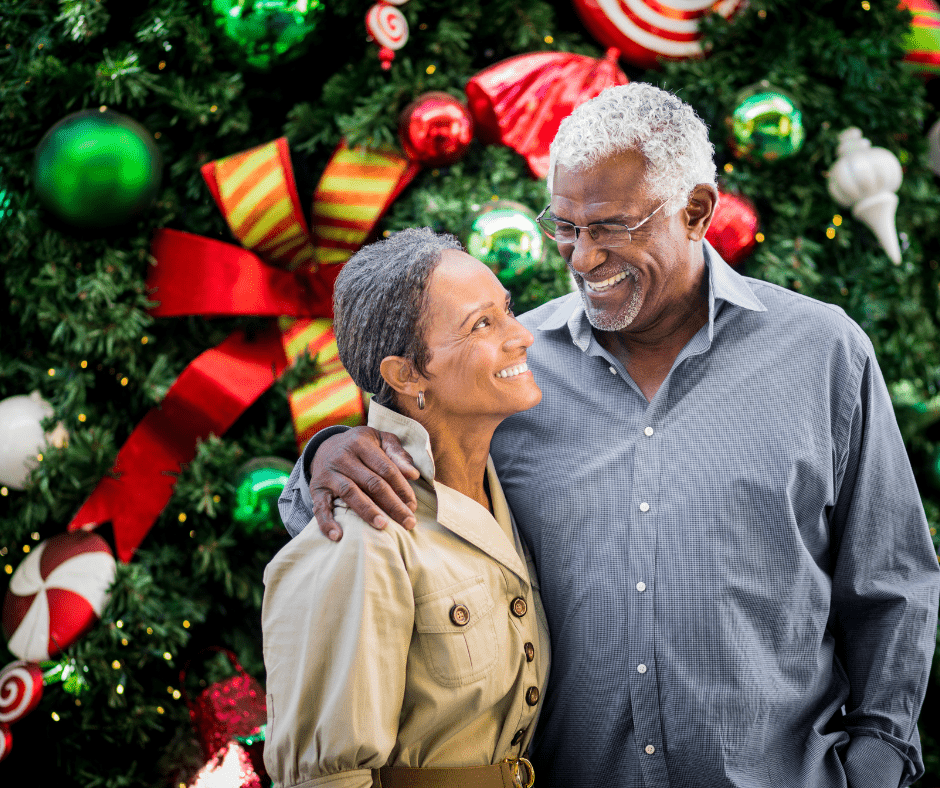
{"x":866,"y":178}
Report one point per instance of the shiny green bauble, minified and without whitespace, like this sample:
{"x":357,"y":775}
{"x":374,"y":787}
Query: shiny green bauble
{"x":97,"y":169}
{"x":505,"y":236}
{"x":267,"y":33}
{"x":4,"y":198}
{"x":766,"y":124}
{"x":258,"y":486}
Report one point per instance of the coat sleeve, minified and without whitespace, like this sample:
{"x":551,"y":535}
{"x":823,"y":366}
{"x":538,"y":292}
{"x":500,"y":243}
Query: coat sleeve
{"x":884,"y":590}
{"x":294,"y":502}
{"x":337,"y":620}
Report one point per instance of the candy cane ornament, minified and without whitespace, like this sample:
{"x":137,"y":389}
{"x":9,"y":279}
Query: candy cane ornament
{"x":388,"y":26}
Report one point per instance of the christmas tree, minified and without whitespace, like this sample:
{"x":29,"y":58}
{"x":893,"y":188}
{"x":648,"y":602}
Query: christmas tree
{"x":191,"y":85}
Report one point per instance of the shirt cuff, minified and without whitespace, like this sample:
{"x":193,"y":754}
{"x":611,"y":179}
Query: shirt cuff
{"x":872,"y":763}
{"x":314,"y":443}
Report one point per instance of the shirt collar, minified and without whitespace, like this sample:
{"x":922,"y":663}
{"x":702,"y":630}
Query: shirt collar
{"x":413,"y":436}
{"x":724,"y":284}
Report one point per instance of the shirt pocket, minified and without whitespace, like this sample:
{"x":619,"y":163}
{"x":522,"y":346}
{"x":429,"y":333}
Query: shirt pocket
{"x":457,"y":653}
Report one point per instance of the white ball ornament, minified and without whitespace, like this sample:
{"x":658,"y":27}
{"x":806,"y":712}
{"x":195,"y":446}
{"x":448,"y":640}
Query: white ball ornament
{"x":22,"y":437}
{"x":387,"y":25}
{"x":866,"y":178}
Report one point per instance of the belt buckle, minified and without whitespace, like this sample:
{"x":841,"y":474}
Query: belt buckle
{"x":523,"y":775}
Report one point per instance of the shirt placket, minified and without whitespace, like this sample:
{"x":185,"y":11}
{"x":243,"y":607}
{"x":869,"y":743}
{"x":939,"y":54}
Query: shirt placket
{"x":641,"y":635}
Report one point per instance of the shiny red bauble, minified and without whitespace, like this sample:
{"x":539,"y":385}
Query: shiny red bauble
{"x":435,"y":129}
{"x":734,"y":228}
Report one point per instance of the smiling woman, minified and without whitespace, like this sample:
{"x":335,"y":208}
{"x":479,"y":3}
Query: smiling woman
{"x":402,"y":658}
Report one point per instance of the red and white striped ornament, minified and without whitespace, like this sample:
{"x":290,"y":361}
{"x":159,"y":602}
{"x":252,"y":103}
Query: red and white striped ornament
{"x":6,"y":741}
{"x":645,"y":30}
{"x":57,"y":594}
{"x":388,"y":26}
{"x":20,"y":690}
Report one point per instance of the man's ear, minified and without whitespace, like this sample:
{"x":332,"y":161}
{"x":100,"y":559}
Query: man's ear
{"x":401,"y":375}
{"x":700,"y":210}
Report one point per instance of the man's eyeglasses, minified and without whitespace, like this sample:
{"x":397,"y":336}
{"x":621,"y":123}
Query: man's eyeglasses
{"x":602,"y":233}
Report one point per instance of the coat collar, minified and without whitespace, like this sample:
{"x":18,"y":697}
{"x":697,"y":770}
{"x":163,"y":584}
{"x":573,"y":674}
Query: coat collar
{"x":455,"y":511}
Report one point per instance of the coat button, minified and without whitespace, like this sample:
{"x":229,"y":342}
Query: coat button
{"x":460,"y":615}
{"x":519,"y":607}
{"x":529,"y":652}
{"x":532,"y":695}
{"x":517,"y":738}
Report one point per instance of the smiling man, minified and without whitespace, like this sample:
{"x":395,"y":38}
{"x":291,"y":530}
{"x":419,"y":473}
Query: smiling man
{"x":735,"y":564}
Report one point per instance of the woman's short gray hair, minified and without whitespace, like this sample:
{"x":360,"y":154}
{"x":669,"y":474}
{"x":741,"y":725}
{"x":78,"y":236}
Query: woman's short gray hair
{"x":380,"y":305}
{"x":638,"y":116}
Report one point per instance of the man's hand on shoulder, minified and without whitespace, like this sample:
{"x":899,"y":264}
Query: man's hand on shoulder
{"x":369,"y":470}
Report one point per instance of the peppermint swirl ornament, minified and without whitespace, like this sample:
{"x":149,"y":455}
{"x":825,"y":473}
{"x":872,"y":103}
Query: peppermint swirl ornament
{"x":387,"y":25}
{"x":20,"y":690}
{"x":6,"y":741}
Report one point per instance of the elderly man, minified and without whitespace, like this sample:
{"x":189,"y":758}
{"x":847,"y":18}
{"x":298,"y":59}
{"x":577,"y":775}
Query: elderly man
{"x":739,"y":580}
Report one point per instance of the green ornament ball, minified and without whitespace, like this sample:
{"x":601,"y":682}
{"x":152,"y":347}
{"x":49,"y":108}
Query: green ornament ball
{"x":265,"y":34}
{"x":257,"y":487}
{"x":505,"y":236}
{"x":4,"y":198}
{"x":766,"y":124}
{"x":97,"y":169}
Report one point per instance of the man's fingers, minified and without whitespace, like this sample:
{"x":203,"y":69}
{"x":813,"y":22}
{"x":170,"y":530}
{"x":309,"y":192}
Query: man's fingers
{"x":322,"y":500}
{"x":370,"y":496}
{"x":402,"y":459}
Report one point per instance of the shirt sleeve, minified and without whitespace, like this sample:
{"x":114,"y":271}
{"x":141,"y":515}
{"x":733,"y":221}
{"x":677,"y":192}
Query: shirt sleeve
{"x":294,"y":502}
{"x":337,"y":620}
{"x":885,"y":585}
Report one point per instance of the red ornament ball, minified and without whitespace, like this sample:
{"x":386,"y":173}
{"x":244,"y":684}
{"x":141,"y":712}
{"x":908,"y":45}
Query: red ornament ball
{"x":435,"y":129}
{"x":20,"y":690}
{"x":56,"y":594}
{"x":734,"y":228}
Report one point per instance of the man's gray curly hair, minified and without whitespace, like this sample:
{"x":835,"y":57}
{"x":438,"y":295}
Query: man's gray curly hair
{"x":380,"y":305}
{"x":638,"y":116}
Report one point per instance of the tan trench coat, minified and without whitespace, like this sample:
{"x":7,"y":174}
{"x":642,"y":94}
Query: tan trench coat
{"x":423,"y":648}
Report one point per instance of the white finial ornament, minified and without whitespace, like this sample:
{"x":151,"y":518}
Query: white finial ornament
{"x":866,"y":179}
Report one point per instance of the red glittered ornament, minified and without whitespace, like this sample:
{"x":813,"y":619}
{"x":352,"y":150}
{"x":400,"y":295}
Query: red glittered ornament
{"x":733,"y":228}
{"x":227,"y":709}
{"x":435,"y":129}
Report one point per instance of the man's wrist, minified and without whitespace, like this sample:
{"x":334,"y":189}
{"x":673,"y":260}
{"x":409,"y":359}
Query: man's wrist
{"x":872,"y":763}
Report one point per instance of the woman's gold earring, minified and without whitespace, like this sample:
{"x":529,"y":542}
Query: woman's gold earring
{"x":420,"y":400}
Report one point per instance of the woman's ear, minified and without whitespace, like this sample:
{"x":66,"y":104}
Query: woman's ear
{"x":700,"y":210}
{"x":401,"y":375}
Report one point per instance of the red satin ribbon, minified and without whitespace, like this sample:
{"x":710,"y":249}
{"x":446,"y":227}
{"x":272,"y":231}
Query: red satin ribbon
{"x":207,"y":398}
{"x":195,"y":275}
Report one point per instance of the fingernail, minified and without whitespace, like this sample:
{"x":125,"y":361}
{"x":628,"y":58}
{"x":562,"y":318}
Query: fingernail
{"x":413,"y":505}
{"x":409,"y":523}
{"x":335,"y":534}
{"x":380,"y":521}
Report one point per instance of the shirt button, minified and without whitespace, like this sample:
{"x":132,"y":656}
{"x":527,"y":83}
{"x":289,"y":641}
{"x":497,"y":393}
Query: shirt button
{"x":648,"y":431}
{"x":613,"y":370}
{"x":650,"y":749}
{"x":641,"y":668}
{"x":518,"y":607}
{"x":460,"y":615}
{"x":644,"y":507}
{"x":532,"y":695}
{"x":641,"y":586}
{"x":529,"y":652}
{"x":517,"y":738}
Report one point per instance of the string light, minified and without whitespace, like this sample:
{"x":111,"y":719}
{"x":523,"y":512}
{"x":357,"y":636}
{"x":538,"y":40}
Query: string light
{"x":124,"y":381}
{"x":149,"y":630}
{"x":119,"y":624}
{"x":830,"y":233}
{"x":25,"y":548}
{"x":119,"y":689}
{"x":116,"y":664}
{"x":167,"y":656}
{"x":82,"y":417}
{"x":216,"y":498}
{"x":759,"y":237}
{"x":430,"y":69}
{"x":837,"y":220}
{"x":176,"y":695}
{"x":51,"y":373}
{"x":159,"y":709}
{"x":54,"y":716}
{"x":34,"y":536}
{"x":214,"y":108}
{"x":84,"y":365}
{"x":144,"y":340}
{"x":161,"y":65}
{"x":866,"y":6}
{"x":39,"y":457}
{"x":8,"y":569}
{"x":549,"y":39}
{"x":186,"y":625}
{"x":4,"y":492}
{"x":123,"y":641}
{"x":729,"y":167}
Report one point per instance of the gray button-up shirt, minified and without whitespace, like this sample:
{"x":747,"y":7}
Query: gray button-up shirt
{"x":739,"y":579}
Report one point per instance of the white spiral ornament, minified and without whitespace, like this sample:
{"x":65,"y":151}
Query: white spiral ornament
{"x":387,"y":25}
{"x":20,"y":690}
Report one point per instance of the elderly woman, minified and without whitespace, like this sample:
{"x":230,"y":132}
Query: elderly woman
{"x":414,"y":658}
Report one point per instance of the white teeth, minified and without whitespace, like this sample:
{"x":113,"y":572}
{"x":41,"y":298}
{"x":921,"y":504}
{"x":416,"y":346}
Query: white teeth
{"x":513,"y":371}
{"x":607,"y":283}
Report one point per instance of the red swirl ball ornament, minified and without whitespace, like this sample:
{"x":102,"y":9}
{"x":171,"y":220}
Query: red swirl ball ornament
{"x":734,"y":228}
{"x":435,"y":129}
{"x":6,"y":741}
{"x":646,"y":30}
{"x":20,"y":690}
